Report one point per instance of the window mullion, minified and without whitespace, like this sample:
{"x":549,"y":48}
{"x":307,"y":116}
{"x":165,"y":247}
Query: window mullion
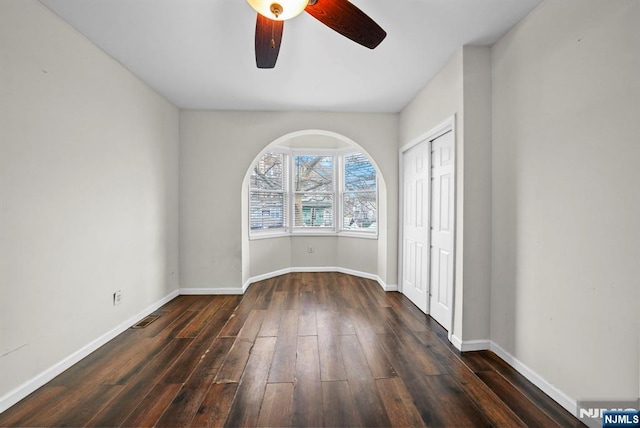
{"x":290,"y":193}
{"x":339,"y":214}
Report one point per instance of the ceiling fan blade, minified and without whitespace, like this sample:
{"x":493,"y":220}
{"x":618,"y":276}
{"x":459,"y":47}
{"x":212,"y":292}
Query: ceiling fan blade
{"x":345,"y":18}
{"x":268,"y":38}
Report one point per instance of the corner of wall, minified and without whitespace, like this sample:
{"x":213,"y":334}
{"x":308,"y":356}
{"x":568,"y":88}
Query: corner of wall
{"x":12,"y":397}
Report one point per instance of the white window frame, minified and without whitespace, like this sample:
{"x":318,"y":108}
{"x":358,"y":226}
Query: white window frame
{"x":338,"y":193}
{"x":341,"y":192}
{"x":279,"y":231}
{"x":310,"y":231}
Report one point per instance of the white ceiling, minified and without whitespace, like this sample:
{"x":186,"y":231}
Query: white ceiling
{"x":200,"y":53}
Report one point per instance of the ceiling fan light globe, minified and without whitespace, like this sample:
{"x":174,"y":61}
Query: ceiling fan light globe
{"x":290,"y":8}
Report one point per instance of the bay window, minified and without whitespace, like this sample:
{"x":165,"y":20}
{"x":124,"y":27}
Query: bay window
{"x":294,"y":192}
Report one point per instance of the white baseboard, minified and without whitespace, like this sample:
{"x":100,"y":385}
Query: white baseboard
{"x":264,"y":276}
{"x":455,"y":341}
{"x":388,"y":287}
{"x":346,"y":271}
{"x":548,"y":388}
{"x":314,"y":269}
{"x":558,"y":396}
{"x":17,"y":394}
{"x":470,"y":345}
{"x":476,"y":345}
{"x":211,"y":291}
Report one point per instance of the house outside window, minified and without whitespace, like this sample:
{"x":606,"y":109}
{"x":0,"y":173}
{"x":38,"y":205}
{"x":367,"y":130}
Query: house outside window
{"x":314,"y":191}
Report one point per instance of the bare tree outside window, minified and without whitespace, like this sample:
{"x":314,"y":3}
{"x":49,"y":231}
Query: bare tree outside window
{"x":314,"y":191}
{"x":359,"y":202}
{"x":267,"y":205}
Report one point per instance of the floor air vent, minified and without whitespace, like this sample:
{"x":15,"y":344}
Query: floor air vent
{"x":145,"y":321}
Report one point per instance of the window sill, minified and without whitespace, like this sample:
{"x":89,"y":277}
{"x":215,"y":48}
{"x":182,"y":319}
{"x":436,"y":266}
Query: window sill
{"x":268,"y":235}
{"x":352,"y":234}
{"x":314,"y":233}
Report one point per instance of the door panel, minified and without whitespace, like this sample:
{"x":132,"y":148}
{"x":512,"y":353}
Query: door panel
{"x":416,"y":225}
{"x":442,"y":221}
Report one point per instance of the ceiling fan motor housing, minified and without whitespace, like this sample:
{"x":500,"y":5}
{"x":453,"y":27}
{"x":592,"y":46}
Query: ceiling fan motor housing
{"x":276,"y":9}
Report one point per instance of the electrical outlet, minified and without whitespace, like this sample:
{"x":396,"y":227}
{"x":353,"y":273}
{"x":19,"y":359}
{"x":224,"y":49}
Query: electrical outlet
{"x":310,"y":249}
{"x":117,"y":297}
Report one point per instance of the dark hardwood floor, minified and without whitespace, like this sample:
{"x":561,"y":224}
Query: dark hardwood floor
{"x":304,"y":349}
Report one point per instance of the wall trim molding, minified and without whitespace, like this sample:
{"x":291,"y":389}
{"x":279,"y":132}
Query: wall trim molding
{"x":570,"y":404}
{"x":367,"y":275}
{"x":547,"y":387}
{"x":266,"y":276}
{"x":455,"y":341}
{"x":470,"y":345}
{"x":211,"y":291}
{"x":389,"y":287}
{"x":20,"y":392}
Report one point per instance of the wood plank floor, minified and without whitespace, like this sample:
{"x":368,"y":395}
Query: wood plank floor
{"x":303,"y":349}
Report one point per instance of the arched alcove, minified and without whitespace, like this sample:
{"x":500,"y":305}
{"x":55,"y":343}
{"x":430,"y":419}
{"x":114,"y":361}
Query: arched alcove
{"x":356,"y":255}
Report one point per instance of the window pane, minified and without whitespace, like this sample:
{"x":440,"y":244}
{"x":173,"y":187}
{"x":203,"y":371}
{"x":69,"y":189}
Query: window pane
{"x":313,"y":210}
{"x":359,"y":174}
{"x":313,"y":173}
{"x":268,"y":174}
{"x":266,"y":210}
{"x":360,"y":211}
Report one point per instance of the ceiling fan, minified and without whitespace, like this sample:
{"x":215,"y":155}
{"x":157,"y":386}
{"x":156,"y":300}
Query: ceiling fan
{"x":339,"y":15}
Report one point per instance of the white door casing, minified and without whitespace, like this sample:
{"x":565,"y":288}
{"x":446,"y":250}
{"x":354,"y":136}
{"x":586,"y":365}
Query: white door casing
{"x":437,"y":215}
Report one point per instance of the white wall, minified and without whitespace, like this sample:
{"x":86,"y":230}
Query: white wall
{"x":270,"y":255}
{"x":463,"y":88}
{"x":217,"y":149}
{"x":353,"y":254}
{"x":325,"y":251}
{"x":566,"y":199}
{"x":349,"y":253}
{"x":88,"y":192}
{"x":476,"y":227}
{"x":441,"y":98}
